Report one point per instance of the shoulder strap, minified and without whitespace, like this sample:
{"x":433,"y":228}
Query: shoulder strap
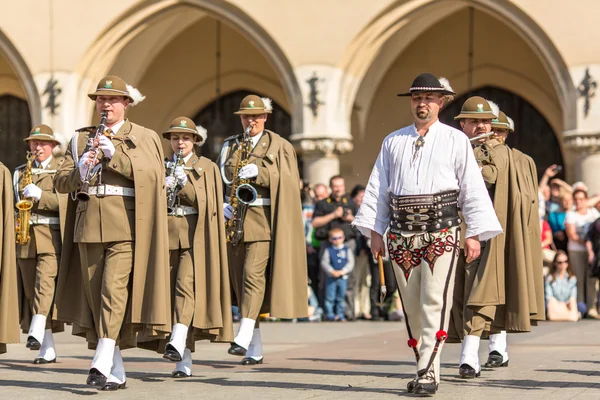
{"x":74,"y":153}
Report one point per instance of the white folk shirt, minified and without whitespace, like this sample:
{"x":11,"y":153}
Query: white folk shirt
{"x":444,"y":162}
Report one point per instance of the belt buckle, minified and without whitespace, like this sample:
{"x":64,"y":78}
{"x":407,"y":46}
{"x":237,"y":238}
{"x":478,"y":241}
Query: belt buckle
{"x":101,"y":190}
{"x":179,"y":212}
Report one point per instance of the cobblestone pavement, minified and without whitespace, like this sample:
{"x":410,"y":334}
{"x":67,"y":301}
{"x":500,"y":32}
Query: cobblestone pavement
{"x":324,"y":361}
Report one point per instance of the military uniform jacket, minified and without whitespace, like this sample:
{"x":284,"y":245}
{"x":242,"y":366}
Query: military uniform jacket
{"x":257,"y":223}
{"x":44,"y":238}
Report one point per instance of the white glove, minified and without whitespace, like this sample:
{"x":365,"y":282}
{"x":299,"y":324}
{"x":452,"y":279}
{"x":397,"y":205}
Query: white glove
{"x":84,"y":164}
{"x":107,"y":147}
{"x":227,"y":210}
{"x":32,"y":191}
{"x":169,"y":181}
{"x":180,"y":176}
{"x":248,"y":171}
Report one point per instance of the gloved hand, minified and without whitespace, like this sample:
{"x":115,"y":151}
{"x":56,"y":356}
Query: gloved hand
{"x":227,"y":210}
{"x":84,"y":164}
{"x":32,"y":191}
{"x":107,"y":147}
{"x":180,"y":176}
{"x":170,"y":181}
{"x":248,"y":171}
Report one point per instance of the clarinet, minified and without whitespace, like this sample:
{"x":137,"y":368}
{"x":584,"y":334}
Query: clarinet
{"x":172,"y":192}
{"x":83,"y":194}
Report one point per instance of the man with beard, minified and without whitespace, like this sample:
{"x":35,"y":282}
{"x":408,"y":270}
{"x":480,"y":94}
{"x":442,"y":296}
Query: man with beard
{"x":424,"y":173}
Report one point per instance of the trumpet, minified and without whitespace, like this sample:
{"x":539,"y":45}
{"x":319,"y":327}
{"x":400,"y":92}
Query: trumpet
{"x":92,"y":145}
{"x":172,"y":192}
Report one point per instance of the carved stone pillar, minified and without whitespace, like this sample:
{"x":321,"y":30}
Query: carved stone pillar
{"x":585,"y":150}
{"x":321,"y":157}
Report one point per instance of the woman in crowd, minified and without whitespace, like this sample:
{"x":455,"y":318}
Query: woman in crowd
{"x":556,"y":220}
{"x":577,"y":223}
{"x":561,"y":290}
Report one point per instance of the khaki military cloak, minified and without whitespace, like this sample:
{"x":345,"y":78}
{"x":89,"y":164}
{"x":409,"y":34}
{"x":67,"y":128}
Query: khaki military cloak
{"x":9,"y":296}
{"x":25,"y":315}
{"x":212,"y":289}
{"x":286,"y":295}
{"x":149,"y":306}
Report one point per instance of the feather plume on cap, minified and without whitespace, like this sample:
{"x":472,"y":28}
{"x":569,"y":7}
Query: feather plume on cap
{"x":203,"y":133}
{"x":511,"y":124}
{"x":135,"y":95}
{"x":495,"y":108}
{"x":446,"y":84}
{"x":268,"y":103}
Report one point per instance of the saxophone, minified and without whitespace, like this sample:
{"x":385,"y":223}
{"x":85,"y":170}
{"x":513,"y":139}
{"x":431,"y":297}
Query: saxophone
{"x":242,"y":194}
{"x":25,"y":205}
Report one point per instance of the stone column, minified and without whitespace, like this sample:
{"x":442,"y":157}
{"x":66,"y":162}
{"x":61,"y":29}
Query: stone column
{"x":585,"y":147}
{"x":321,"y":157}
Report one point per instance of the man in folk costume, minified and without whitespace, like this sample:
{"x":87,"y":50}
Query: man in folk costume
{"x":424,"y":173}
{"x":524,"y":243}
{"x":9,"y":291}
{"x":268,"y":264}
{"x":114,"y":278}
{"x":39,"y":255}
{"x":200,"y":287}
{"x":480,"y":291}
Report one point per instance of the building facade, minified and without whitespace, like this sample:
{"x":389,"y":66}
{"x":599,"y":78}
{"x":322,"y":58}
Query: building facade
{"x":332,"y":67}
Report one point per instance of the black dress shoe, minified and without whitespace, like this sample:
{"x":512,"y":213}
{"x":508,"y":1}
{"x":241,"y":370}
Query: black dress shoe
{"x":96,"y":378}
{"x":428,"y":388}
{"x":467,"y":372}
{"x":172,"y":354}
{"x":179,"y":374}
{"x":495,"y":360}
{"x":42,"y":360}
{"x":410,"y":387}
{"x":33,"y":344}
{"x":111,"y":386}
{"x":236,"y":350}
{"x":251,"y":361}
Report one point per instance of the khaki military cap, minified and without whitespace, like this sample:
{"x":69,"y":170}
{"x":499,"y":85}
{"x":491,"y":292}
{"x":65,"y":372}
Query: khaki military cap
{"x":254,"y":105}
{"x":111,"y":85}
{"x":183,"y":125}
{"x":503,"y":122}
{"x":477,"y":108}
{"x":41,"y":132}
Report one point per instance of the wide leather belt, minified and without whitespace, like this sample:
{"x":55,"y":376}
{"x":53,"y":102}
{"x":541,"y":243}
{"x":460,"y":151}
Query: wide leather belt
{"x":181,"y":211}
{"x":41,"y":220}
{"x":261,"y":202}
{"x":110,"y":190}
{"x":424,"y":213}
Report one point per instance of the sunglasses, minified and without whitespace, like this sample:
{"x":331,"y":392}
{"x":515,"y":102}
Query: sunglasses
{"x":336,"y":237}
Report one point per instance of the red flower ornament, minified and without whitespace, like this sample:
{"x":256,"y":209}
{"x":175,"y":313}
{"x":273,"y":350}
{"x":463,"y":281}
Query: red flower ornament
{"x":441,"y":335}
{"x":412,"y":342}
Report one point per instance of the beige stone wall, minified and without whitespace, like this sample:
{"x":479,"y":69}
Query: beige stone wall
{"x":9,"y":81}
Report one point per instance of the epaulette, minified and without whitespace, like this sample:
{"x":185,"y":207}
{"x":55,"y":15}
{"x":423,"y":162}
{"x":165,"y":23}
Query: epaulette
{"x":233,"y":137}
{"x":87,"y":129}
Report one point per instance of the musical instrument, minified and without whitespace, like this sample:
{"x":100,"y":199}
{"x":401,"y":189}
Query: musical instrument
{"x":92,"y":145}
{"x":482,"y":136}
{"x":26,"y":204}
{"x":242,"y":193}
{"x":172,"y":192}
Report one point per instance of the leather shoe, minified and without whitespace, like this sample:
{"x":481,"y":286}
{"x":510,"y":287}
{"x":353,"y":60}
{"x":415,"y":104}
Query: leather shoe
{"x":410,"y":387}
{"x":251,"y":361}
{"x":236,"y":350}
{"x":495,"y":360}
{"x":172,"y":354}
{"x":96,"y":378}
{"x":179,"y":374}
{"x":426,"y":388}
{"x":112,"y":386}
{"x":42,"y":360}
{"x":33,"y":344}
{"x":467,"y":372}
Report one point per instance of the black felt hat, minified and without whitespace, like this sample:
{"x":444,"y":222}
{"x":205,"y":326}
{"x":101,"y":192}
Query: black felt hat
{"x":429,"y":83}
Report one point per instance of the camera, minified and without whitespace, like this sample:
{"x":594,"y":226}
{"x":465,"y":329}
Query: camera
{"x":558,"y":168}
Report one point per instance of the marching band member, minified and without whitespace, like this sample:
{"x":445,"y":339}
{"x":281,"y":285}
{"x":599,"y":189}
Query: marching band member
{"x":39,"y":255}
{"x":200,"y":288}
{"x":113,"y":279}
{"x":268,"y":265}
{"x":424,"y":173}
{"x":9,"y":301}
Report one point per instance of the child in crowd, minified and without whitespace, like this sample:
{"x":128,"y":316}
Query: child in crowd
{"x":337,"y":261}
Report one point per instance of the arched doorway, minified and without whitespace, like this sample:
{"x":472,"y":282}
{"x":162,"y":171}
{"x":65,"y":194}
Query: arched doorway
{"x":533,"y":134}
{"x":229,"y":124}
{"x":15,"y":124}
